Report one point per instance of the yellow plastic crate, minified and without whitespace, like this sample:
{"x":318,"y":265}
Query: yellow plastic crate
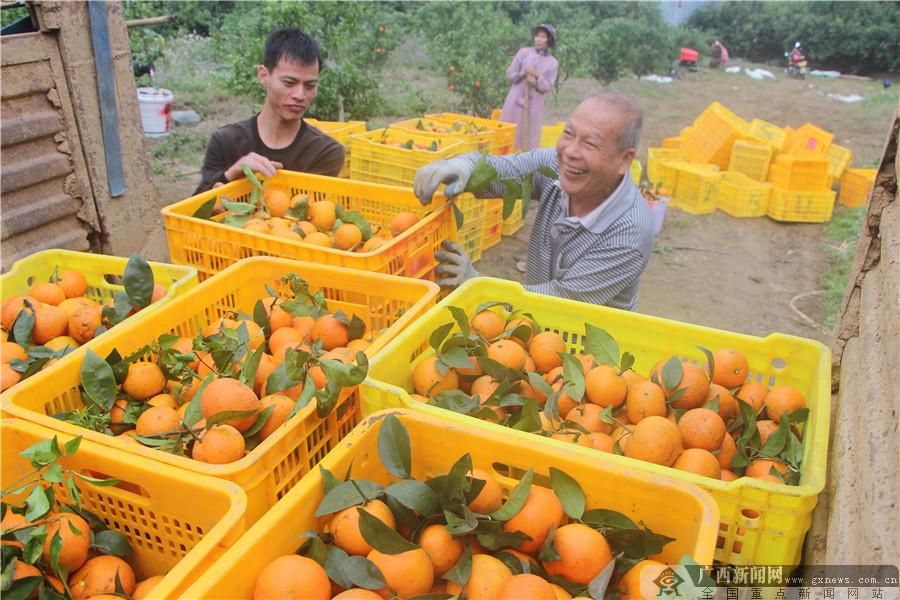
{"x":504,"y":133}
{"x":784,"y":512}
{"x":712,"y":136}
{"x":659,"y":172}
{"x":666,"y":506}
{"x":839,"y":159}
{"x":636,"y":171}
{"x":799,"y":174}
{"x":550,"y":134}
{"x":740,"y":196}
{"x":515,"y":221}
{"x":769,"y":133}
{"x":471,"y":238}
{"x":210,"y":246}
{"x":750,"y":158}
{"x":856,"y":186}
{"x":807,"y":139}
{"x":476,"y":141}
{"x":696,"y":188}
{"x":176,"y":522}
{"x":801,"y":207}
{"x":387,"y":304}
{"x":493,"y":223}
{"x":341,"y":131}
{"x":372,"y":160}
{"x":672,"y":143}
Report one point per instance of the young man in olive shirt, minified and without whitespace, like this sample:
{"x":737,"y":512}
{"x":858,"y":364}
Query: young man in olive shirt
{"x":277,"y":137}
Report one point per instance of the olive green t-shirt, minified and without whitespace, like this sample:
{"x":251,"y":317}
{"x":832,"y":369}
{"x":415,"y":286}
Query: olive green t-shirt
{"x":311,"y":151}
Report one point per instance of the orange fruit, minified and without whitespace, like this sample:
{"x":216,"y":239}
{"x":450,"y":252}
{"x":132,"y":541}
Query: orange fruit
{"x":443,"y":549}
{"x":225,"y":394}
{"x":278,"y":317}
{"x":347,"y":236}
{"x":402,"y":221}
{"x":359,"y":345}
{"x":765,"y":427}
{"x":573,"y":436}
{"x":731,"y":368}
{"x":304,"y":325}
{"x":159,"y":292}
{"x":542,"y":511}
{"x":357,"y":594}
{"x":10,"y":351}
{"x":306,"y":227}
{"x":49,"y":322}
{"x":9,"y":377}
{"x":344,"y":527}
{"x":727,"y":475}
{"x":157,"y":420}
{"x":277,"y":202}
{"x":763,"y":467}
{"x":292,"y":576}
{"x":282,"y":408}
{"x":488,"y":324}
{"x":514,"y":324}
{"x":753,"y":393}
{"x":24,"y":570}
{"x":727,"y":451}
{"x":144,"y":380}
{"x":508,"y":354}
{"x":588,"y":417}
{"x":603,"y":386}
{"x":487,"y":577}
{"x":282,"y":338}
{"x":83,"y":323}
{"x":12,"y":521}
{"x":75,"y":546}
{"x":143,"y":588}
{"x":620,"y":435}
{"x":584,"y":551}
{"x":428,"y":380}
{"x":48,"y":293}
{"x":12,"y":306}
{"x":699,"y":461}
{"x":728,"y":406}
{"x":693,"y":380}
{"x":490,"y":497}
{"x":407,"y":574}
{"x":654,"y":439}
{"x":332,"y":332}
{"x":372,"y":244}
{"x":316,"y":238}
{"x":639,"y":582}
{"x":71,"y":305}
{"x":545,"y":349}
{"x":783,"y":399}
{"x":632,"y":377}
{"x":221,"y":444}
{"x":72,"y":283}
{"x":644,"y":399}
{"x":322,"y":214}
{"x":98,"y":576}
{"x":701,"y":428}
{"x":525,"y":586}
{"x":602,"y":442}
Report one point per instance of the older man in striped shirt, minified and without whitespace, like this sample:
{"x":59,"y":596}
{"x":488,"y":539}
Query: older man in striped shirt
{"x":593,"y":234}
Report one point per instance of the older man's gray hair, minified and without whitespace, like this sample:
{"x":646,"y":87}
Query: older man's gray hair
{"x":625,"y":104}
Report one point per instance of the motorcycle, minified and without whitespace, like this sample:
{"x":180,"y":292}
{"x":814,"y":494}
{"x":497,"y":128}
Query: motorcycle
{"x":797,"y":66}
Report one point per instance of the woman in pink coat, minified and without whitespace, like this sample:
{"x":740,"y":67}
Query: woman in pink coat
{"x":532,"y":72}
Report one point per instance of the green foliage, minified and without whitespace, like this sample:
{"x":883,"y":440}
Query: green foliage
{"x":859,"y":37}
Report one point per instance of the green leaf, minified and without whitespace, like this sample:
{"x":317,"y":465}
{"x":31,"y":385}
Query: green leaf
{"x":672,"y":374}
{"x":347,"y":494}
{"x":98,"y":482}
{"x":569,"y":493}
{"x":111,"y":542}
{"x":547,"y":171}
{"x":329,"y":481}
{"x":335,"y":561}
{"x":458,"y":216}
{"x":22,"y":589}
{"x":599,"y":584}
{"x":636,"y":543}
{"x":461,"y":318}
{"x":414,"y":495}
{"x":492,"y":536}
{"x":42,"y":453}
{"x":509,"y":201}
{"x":526,"y":191}
{"x":98,"y":380}
{"x":53,"y":474}
{"x":793,"y":453}
{"x":549,"y":551}
{"x":356,"y":329}
{"x":74,"y":494}
{"x":35,"y":545}
{"x":363,"y":573}
{"x":306,"y":395}
{"x":483,"y":175}
{"x":380,"y":536}
{"x":394,"y":447}
{"x":798,"y":416}
{"x":439,"y":335}
{"x":497,"y":371}
{"x":73,"y":445}
{"x":279,"y":380}
{"x":627,"y":362}
{"x":23,"y":327}
{"x":516,"y":500}
{"x":710,"y":361}
{"x":601,"y":345}
{"x":529,"y":417}
{"x":457,"y":525}
{"x":456,"y":400}
{"x":573,"y":376}
{"x":456,"y":358}
{"x":313,"y":547}
{"x":355,"y":218}
{"x":460,"y":572}
{"x":601,"y":518}
{"x":239,"y":209}
{"x":778,"y":440}
{"x":260,"y":422}
{"x":251,"y":177}
{"x":204,"y":211}
{"x":37,"y":504}
{"x":228,"y":415}
{"x":138,"y":281}
{"x":713,"y":404}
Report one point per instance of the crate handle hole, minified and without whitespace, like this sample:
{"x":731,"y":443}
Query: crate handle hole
{"x":122,"y":485}
{"x":751,"y":518}
{"x":779,"y":363}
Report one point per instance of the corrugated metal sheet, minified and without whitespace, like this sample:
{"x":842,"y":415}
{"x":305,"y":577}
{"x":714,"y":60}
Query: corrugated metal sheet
{"x":40,"y":195}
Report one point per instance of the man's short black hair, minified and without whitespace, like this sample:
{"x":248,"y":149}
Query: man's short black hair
{"x":292,"y":45}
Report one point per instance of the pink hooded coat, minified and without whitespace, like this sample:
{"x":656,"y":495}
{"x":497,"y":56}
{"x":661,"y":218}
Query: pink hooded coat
{"x":513,"y":107}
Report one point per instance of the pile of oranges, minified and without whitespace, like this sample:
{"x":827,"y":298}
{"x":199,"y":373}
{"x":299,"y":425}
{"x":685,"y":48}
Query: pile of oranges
{"x":462,"y":540}
{"x":713,"y":421}
{"x":54,"y":317}
{"x":466,"y":127}
{"x":409,"y":144}
{"x":216,"y":396}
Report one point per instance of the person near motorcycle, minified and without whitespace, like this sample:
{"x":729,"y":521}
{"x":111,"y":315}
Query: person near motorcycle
{"x":718,"y":54}
{"x":796,"y":54}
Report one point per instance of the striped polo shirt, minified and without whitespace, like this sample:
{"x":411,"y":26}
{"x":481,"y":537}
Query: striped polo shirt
{"x":597,"y":258}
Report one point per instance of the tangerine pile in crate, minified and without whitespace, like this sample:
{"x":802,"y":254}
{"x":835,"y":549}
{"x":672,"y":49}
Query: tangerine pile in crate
{"x":83,"y":518}
{"x":411,"y":505}
{"x":323,"y":219}
{"x":471,"y":136}
{"x":257,"y":366}
{"x":392,"y":155}
{"x":611,"y":385}
{"x":58,"y":300}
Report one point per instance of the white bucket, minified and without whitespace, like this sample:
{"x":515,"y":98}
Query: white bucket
{"x":156,"y":110}
{"x":658,"y":209}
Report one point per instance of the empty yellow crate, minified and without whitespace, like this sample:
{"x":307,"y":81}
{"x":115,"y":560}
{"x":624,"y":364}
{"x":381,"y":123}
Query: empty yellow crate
{"x":471,"y":238}
{"x":550,"y":134}
{"x":470,"y":141}
{"x":856,"y":187}
{"x":385,"y":303}
{"x":761,"y":522}
{"x":668,"y":507}
{"x":799,"y":174}
{"x":740,"y":196}
{"x":712,"y":136}
{"x":658,"y":173}
{"x":750,"y":158}
{"x":696,"y":188}
{"x":504,"y":133}
{"x":177,"y":523}
{"x":515,"y":221}
{"x":769,"y":133}
{"x":374,"y":160}
{"x":673,"y":143}
{"x":493,"y":223}
{"x":801,"y":207}
{"x":341,"y":131}
{"x":807,"y":139}
{"x":210,"y":246}
{"x":839,"y":159}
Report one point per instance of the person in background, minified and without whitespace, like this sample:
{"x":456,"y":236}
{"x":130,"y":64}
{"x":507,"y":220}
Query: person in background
{"x":593,"y":234}
{"x":277,"y":137}
{"x":718,"y":55}
{"x":532,"y":74}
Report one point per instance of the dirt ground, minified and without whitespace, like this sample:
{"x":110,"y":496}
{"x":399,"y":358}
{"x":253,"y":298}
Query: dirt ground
{"x":714,"y":270}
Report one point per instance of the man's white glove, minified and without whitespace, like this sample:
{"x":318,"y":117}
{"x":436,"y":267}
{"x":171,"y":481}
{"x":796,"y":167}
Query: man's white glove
{"x":456,"y":266}
{"x":454,"y":172}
